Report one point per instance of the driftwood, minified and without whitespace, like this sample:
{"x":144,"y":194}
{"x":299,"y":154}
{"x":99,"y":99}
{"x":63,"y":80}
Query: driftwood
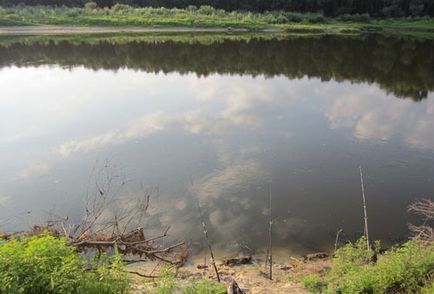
{"x":234,"y":289}
{"x":132,"y":243}
{"x":123,"y":233}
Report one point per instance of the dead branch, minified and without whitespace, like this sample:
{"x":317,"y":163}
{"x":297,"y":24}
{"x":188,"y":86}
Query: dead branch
{"x":424,"y":208}
{"x":142,"y":275}
{"x":111,"y":222}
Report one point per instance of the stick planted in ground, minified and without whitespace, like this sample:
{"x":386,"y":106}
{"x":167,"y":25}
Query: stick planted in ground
{"x":365,"y":214}
{"x":270,"y":236}
{"x":205,"y":232}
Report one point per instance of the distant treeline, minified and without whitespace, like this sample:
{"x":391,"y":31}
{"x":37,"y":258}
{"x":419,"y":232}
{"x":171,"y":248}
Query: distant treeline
{"x":401,"y":66}
{"x":375,"y":8}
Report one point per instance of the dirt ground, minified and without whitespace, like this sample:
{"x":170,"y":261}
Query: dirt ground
{"x":252,"y":278}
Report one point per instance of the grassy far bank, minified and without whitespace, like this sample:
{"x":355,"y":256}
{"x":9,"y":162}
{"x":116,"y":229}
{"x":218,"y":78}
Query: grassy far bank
{"x":205,"y":16}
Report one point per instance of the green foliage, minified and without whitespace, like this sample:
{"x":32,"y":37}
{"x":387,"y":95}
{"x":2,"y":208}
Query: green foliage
{"x":206,"y":10}
{"x":120,"y":7}
{"x":204,"y":287}
{"x":363,"y":18}
{"x":90,"y":6}
{"x":166,"y":282}
{"x":404,"y":269}
{"x":122,"y":14}
{"x":313,"y":283}
{"x":316,"y":18}
{"x":428,"y":289}
{"x":331,"y":8}
{"x":45,"y":264}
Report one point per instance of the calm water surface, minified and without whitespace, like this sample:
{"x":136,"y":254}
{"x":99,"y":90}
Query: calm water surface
{"x":218,"y":120}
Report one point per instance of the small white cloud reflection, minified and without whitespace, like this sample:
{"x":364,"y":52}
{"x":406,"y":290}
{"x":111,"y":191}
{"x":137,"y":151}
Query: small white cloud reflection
{"x":4,"y":199}
{"x":227,"y":182}
{"x":35,"y":170}
{"x":374,"y":115}
{"x":147,"y":125}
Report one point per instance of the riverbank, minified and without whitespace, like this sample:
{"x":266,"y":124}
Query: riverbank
{"x":405,"y":268}
{"x":123,"y":18}
{"x":295,"y":29}
{"x":252,"y":277}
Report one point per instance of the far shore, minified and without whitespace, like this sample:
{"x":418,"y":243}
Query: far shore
{"x":306,"y":29}
{"x":46,"y":29}
{"x":30,"y":30}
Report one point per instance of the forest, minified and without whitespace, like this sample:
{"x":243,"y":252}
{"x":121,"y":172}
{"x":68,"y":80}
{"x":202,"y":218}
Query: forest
{"x":330,"y":8}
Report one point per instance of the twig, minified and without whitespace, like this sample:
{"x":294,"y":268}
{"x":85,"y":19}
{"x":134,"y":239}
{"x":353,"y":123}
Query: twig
{"x":364,"y":209}
{"x":337,"y":238}
{"x":142,"y":275}
{"x":205,"y":232}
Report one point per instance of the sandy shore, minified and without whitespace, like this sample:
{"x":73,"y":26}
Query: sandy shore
{"x":49,"y":30}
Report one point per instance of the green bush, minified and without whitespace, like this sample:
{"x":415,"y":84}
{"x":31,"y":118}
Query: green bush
{"x":316,"y":18}
{"x":365,"y":18}
{"x":204,"y":287}
{"x":294,"y":17}
{"x":403,"y":269}
{"x":191,"y":8}
{"x":281,"y":19}
{"x":313,"y":283}
{"x":167,"y":284}
{"x":118,"y":7}
{"x":206,"y":9}
{"x":46,"y":265}
{"x":90,"y":6}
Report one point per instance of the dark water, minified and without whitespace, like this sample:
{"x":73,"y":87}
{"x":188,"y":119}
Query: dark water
{"x":218,"y":119}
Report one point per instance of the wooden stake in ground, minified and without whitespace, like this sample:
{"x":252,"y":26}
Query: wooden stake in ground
{"x":364,"y":209}
{"x":270,"y":236}
{"x":205,"y":232}
{"x":337,"y":239}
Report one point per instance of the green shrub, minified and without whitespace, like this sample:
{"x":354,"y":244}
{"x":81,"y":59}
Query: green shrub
{"x":46,"y":265}
{"x":313,"y":283}
{"x":118,"y":7}
{"x":316,"y":18}
{"x":206,"y":9}
{"x":403,"y":269}
{"x":90,"y":6}
{"x":281,"y":19}
{"x":191,"y":8}
{"x":166,"y":282}
{"x":204,"y":287}
{"x":428,"y":289}
{"x":365,"y":18}
{"x":294,"y":17}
